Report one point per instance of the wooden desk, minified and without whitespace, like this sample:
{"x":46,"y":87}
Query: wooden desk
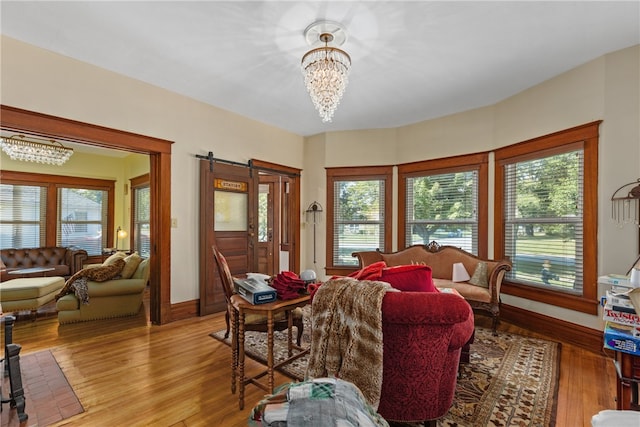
{"x":242,"y":307}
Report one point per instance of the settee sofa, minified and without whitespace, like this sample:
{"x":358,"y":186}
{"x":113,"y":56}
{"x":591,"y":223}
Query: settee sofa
{"x":112,"y":298}
{"x":64,"y":261}
{"x":482,"y":290}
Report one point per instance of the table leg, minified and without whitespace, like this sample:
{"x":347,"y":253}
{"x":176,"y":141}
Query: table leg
{"x":289,"y":314}
{"x":270,"y":350}
{"x":241,"y":359}
{"x":234,"y":350}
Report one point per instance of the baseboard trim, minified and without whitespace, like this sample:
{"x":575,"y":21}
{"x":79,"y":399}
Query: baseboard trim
{"x":571,"y":333}
{"x":185,"y":310}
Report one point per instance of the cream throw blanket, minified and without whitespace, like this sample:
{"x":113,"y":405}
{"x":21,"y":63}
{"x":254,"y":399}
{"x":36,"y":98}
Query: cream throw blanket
{"x":346,"y":341}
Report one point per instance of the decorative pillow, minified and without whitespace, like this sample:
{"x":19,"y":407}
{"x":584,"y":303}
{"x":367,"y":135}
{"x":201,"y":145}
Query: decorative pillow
{"x":370,"y":272}
{"x":112,"y":258}
{"x":130,"y":265}
{"x":479,"y":277}
{"x":409,"y":278}
{"x":97,"y":274}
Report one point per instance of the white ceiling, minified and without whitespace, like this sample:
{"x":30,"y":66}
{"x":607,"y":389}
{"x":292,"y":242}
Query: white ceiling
{"x":412,"y":61}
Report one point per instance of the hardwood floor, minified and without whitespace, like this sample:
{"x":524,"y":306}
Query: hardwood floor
{"x":128,"y":372}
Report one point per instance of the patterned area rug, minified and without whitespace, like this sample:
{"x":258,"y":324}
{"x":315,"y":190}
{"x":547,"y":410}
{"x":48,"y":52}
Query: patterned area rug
{"x":49,"y":396}
{"x":511,"y":380}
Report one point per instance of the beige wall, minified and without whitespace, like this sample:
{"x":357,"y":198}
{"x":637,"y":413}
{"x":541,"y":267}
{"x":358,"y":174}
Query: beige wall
{"x":604,"y":89}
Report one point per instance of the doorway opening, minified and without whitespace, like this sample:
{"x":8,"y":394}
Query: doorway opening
{"x":159,"y":151}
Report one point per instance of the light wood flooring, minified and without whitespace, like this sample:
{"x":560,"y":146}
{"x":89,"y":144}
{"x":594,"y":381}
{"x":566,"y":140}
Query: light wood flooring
{"x":128,"y":372}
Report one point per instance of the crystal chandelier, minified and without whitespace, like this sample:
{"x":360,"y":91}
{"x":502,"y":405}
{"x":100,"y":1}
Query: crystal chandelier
{"x":19,"y":148}
{"x":326,"y":69}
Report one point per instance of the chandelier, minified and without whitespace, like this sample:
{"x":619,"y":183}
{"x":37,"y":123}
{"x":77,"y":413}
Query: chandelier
{"x":19,"y":148}
{"x":326,"y":69}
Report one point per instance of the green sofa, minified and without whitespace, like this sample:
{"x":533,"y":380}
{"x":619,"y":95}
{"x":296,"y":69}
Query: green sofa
{"x":112,"y":298}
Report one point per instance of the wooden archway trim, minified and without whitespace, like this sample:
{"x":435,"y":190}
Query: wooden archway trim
{"x":159,"y":151}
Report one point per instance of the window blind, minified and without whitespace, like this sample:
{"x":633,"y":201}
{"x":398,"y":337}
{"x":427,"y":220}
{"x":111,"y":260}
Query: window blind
{"x":544,"y":220}
{"x":141,"y":221}
{"x":358,"y":219}
{"x":82,"y":218}
{"x":444,"y":208}
{"x":22,"y":216}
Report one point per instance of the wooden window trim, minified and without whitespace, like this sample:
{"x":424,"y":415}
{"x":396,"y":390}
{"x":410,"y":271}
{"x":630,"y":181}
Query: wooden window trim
{"x":586,"y":134}
{"x":357,"y":173}
{"x":464,"y":163}
{"x":52,"y":183}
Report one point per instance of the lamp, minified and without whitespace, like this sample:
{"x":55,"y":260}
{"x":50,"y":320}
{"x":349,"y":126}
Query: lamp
{"x":326,"y":69}
{"x":459,"y":273}
{"x":19,"y":148}
{"x":314,"y":214}
{"x":120,"y":234}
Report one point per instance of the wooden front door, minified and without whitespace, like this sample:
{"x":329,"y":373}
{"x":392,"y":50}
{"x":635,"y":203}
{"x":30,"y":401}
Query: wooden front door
{"x":228,"y":219}
{"x":268,"y":240}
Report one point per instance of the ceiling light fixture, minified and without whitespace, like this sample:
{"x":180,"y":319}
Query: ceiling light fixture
{"x":19,"y":148}
{"x":326,"y":69}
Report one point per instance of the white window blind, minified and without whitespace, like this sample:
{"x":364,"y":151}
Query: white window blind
{"x":22,"y":216}
{"x":544,"y":220}
{"x":443,"y":208}
{"x":141,"y":222}
{"x":82,"y":218}
{"x":358,"y":219}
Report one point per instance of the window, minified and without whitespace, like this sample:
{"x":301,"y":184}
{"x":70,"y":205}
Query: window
{"x":140,"y":213}
{"x":546,"y":201}
{"x":357,"y":220}
{"x":22,"y":216}
{"x":441,"y":201}
{"x":51,"y":210}
{"x":82,"y":217}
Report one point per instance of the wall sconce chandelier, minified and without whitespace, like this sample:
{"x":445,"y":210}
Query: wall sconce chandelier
{"x":17,"y":147}
{"x":326,"y":69}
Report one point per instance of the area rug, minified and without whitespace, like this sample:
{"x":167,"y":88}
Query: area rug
{"x":511,"y":380}
{"x":49,"y":396}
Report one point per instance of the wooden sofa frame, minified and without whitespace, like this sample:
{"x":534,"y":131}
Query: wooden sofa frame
{"x":441,"y":260}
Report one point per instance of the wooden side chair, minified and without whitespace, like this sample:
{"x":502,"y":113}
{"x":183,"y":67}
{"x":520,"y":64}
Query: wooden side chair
{"x":253,"y":322}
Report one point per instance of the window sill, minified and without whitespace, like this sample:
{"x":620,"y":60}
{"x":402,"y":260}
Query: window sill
{"x":571,"y":302}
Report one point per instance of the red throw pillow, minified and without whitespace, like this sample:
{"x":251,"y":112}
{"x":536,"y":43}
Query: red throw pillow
{"x":409,"y":278}
{"x":370,"y":272}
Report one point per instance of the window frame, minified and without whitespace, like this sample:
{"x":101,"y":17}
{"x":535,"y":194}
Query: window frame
{"x":52,"y":183}
{"x":366,"y":173}
{"x":561,"y":141}
{"x":136,"y":183}
{"x":466,"y":163}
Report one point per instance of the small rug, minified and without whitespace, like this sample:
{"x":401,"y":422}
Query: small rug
{"x":511,"y":380}
{"x":48,"y":395}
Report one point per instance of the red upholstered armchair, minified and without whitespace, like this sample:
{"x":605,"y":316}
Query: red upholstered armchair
{"x":423,"y":334}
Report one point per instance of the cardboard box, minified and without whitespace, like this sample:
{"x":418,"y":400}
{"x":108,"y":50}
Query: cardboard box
{"x":621,"y":339}
{"x":620,"y":317}
{"x":255,"y":291}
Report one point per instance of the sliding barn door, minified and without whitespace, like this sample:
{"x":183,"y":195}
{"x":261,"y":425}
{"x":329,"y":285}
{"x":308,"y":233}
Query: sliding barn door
{"x":228,"y":219}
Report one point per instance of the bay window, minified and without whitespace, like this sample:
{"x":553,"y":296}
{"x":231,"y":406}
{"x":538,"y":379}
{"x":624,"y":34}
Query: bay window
{"x":546,"y":204}
{"x":52,"y":210}
{"x":444,"y":201}
{"x":358,"y":215}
